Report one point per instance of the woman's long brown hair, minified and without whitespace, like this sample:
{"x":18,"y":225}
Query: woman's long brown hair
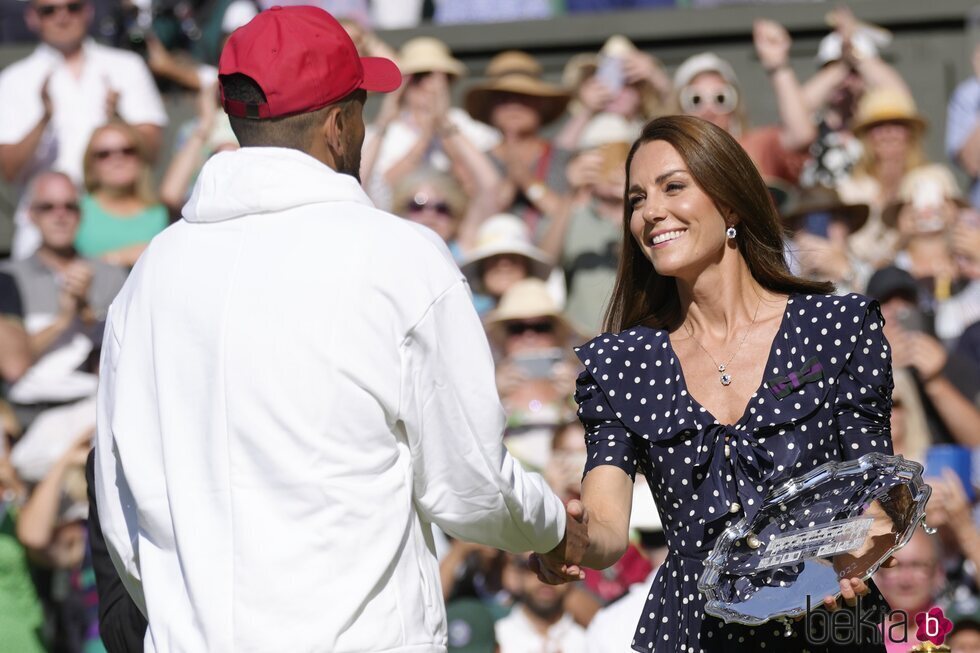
{"x":722,"y":169}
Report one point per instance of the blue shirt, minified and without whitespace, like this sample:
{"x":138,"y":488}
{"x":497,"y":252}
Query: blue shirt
{"x":961,"y":120}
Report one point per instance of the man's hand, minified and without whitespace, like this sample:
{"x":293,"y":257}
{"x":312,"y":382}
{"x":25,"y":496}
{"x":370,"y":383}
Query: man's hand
{"x":111,"y":100}
{"x":561,"y":564}
{"x":46,"y":98}
{"x":77,"y":279}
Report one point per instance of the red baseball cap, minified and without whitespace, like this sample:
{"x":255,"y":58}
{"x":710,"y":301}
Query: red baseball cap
{"x":303,"y":60}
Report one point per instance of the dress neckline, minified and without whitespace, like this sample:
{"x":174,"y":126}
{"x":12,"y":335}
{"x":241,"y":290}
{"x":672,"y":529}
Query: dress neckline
{"x":783,"y":324}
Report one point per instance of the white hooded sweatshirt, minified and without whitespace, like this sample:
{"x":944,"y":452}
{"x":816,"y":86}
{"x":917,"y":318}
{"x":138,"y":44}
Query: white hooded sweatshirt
{"x":295,"y":385}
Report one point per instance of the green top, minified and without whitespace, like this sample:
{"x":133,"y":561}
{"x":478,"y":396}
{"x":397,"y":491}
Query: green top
{"x":590,"y":257}
{"x":20,"y":611}
{"x":101,"y":232}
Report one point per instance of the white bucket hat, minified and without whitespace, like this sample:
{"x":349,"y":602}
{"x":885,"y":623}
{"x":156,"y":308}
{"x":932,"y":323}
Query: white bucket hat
{"x":706,"y":62}
{"x":504,"y":233}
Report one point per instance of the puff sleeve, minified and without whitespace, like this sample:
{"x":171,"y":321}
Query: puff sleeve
{"x":608,"y":442}
{"x":862,"y":410}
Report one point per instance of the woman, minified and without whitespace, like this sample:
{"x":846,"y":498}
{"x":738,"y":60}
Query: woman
{"x":926,"y":215}
{"x":518,"y":103}
{"x":705,"y":86}
{"x":535,"y":374}
{"x":120,"y":213}
{"x":688,"y":392}
{"x":417,"y":126}
{"x":890,"y":130}
{"x":501,"y":257}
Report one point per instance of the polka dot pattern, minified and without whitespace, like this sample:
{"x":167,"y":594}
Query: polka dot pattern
{"x":704,"y":475}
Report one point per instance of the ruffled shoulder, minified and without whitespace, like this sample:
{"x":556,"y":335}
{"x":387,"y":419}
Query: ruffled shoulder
{"x":817,"y":338}
{"x":633,"y":377}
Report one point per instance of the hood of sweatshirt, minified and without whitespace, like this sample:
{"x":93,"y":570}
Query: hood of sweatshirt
{"x":256,"y":180}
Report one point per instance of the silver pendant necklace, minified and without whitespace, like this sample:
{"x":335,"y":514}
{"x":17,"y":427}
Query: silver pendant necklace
{"x":725,"y":377}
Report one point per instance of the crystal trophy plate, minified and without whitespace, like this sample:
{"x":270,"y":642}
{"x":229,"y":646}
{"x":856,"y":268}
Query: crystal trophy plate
{"x":841,"y":520}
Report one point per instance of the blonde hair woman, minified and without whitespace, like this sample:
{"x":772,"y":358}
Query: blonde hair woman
{"x":120,"y":211}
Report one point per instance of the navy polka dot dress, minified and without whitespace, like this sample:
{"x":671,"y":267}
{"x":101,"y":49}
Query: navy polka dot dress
{"x":826,"y":395}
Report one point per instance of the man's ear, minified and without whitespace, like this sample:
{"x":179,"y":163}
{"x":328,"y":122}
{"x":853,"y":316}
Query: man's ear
{"x":332,"y":128}
{"x":31,"y":18}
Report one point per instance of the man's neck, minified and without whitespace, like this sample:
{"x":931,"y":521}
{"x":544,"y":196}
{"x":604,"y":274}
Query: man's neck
{"x":73,"y":54}
{"x":56,"y":259}
{"x":541,"y":624}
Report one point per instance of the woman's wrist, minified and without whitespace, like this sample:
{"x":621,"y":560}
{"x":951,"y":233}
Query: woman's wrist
{"x":772,"y":70}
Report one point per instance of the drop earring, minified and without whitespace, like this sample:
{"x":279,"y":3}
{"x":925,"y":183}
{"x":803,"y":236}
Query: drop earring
{"x":730,"y":232}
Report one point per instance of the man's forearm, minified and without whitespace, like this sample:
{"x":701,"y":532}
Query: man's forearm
{"x":14,"y":157}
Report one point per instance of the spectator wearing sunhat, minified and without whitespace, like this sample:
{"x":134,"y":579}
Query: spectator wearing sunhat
{"x":849,"y":65}
{"x":535,"y":373}
{"x":818,"y":225}
{"x":890,"y":129}
{"x":705,"y":86}
{"x":418,"y":127}
{"x":518,"y":102}
{"x":502,"y":256}
{"x":925,"y":215}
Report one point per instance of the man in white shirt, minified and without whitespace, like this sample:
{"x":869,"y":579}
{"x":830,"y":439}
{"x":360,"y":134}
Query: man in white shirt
{"x":295,"y":387}
{"x":539,"y":622}
{"x":52,"y":100}
{"x":66,"y":298}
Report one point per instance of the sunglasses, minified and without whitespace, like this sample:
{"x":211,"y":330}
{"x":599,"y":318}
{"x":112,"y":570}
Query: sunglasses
{"x":723,"y":99}
{"x":419,"y":204}
{"x":46,"y":11}
{"x":128,"y":151}
{"x":48,"y":207}
{"x":520,"y":328}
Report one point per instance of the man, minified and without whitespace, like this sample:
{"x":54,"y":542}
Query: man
{"x":51,"y":101}
{"x":296,"y":386}
{"x":965,"y":637}
{"x":539,"y":621}
{"x":66,"y":297}
{"x":912,"y":585}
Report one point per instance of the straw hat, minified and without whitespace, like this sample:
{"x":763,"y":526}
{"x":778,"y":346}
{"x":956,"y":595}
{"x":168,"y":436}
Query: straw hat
{"x":931,"y":183}
{"x":886,"y":105}
{"x":820,"y":199}
{"x":517,"y":73}
{"x":527,"y":299}
{"x":425,"y":54}
{"x":504,"y":233}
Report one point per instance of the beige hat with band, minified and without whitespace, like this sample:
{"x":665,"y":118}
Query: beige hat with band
{"x":517,"y":73}
{"x":426,"y":54}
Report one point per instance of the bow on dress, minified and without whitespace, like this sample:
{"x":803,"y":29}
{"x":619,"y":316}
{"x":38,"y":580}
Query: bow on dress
{"x":726,"y":450}
{"x":782,"y":386}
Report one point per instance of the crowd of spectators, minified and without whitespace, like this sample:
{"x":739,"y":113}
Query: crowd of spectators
{"x":524,"y":181}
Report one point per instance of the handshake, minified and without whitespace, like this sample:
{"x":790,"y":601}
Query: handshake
{"x":563,"y":563}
